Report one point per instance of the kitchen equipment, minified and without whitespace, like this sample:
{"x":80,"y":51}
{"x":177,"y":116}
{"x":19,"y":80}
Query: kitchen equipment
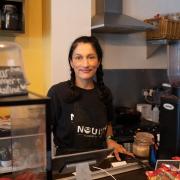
{"x":127,"y":115}
{"x":124,"y":128}
{"x":110,"y":19}
{"x":170,"y":107}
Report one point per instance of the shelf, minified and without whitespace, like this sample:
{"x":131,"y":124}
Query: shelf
{"x":22,"y":136}
{"x":20,"y":168}
{"x":154,"y":45}
{"x":11,"y":33}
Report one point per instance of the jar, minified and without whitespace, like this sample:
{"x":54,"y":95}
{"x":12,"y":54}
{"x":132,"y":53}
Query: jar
{"x":141,"y":144}
{"x":10,"y":17}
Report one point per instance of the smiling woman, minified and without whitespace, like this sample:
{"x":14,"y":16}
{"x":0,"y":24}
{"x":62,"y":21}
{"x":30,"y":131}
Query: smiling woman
{"x":82,"y":106}
{"x":84,"y":62}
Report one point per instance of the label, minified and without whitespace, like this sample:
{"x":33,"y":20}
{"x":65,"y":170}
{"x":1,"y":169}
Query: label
{"x":12,"y":81}
{"x":168,"y":106}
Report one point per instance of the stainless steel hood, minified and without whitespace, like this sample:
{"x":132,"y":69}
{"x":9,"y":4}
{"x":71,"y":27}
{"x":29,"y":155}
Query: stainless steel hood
{"x":109,"y":19}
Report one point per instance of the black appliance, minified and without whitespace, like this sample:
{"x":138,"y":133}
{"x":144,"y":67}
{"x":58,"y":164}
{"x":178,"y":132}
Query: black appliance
{"x":128,"y":121}
{"x":170,"y":125}
{"x":170,"y":107}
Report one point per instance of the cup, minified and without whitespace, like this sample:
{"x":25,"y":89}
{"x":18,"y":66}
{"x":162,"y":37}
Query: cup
{"x":146,"y":110}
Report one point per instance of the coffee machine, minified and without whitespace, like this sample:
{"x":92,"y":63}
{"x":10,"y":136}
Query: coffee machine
{"x":170,"y":107}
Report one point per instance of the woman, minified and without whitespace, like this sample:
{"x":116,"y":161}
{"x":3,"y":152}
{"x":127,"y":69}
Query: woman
{"x":82,"y":106}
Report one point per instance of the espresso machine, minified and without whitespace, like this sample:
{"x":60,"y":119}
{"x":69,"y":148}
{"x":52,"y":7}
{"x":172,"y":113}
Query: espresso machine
{"x":170,"y":107}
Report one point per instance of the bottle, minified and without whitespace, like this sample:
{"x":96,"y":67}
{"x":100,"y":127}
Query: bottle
{"x":157,"y":145}
{"x":152,"y":155}
{"x":155,"y":114}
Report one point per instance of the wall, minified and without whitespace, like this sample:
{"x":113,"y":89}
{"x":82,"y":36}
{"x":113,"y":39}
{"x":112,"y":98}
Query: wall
{"x":31,"y":43}
{"x":125,"y":55}
{"x":50,"y":26}
{"x":129,"y":51}
{"x":67,"y":22}
{"x":46,"y":27}
{"x":127,"y":84}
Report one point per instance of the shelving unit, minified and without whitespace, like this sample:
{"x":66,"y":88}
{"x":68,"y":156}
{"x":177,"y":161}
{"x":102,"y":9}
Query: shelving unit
{"x":154,"y":45}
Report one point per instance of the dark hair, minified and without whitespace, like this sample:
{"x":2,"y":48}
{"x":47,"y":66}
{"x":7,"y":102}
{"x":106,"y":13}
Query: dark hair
{"x":75,"y":94}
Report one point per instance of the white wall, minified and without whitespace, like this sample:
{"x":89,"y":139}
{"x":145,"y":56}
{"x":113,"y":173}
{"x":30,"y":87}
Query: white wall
{"x":129,"y":51}
{"x":143,"y":9}
{"x":69,"y":19}
{"x":72,"y":19}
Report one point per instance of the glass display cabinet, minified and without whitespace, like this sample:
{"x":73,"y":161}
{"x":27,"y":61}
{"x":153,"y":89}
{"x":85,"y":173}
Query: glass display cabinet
{"x":25,"y":142}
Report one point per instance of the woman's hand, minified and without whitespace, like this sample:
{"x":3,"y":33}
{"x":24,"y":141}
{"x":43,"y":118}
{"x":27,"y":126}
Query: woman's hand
{"x":118,"y":148}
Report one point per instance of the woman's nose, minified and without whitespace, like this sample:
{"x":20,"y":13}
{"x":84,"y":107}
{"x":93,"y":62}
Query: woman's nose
{"x":85,"y":61}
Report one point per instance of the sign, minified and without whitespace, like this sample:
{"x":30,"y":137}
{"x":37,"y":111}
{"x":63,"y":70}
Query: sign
{"x":12,"y":81}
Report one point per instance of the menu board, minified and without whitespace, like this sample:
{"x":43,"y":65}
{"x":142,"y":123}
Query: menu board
{"x":12,"y":81}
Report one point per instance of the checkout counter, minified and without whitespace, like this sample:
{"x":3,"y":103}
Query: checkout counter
{"x":138,"y":174}
{"x":128,"y":168}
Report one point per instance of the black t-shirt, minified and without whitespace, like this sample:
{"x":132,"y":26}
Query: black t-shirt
{"x":80,"y":125}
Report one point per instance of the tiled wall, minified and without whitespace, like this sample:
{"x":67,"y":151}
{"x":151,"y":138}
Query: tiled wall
{"x":127,"y":84}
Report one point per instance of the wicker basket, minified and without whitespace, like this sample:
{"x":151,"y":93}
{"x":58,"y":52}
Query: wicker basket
{"x":166,"y":29}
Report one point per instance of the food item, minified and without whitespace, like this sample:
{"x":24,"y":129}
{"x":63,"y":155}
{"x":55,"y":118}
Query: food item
{"x":26,"y":117}
{"x":141,"y":144}
{"x":176,"y":158}
{"x":165,"y":172}
{"x":5,"y":122}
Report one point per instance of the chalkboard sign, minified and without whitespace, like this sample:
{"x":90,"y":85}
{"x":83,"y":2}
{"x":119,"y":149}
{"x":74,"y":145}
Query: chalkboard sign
{"x":12,"y":81}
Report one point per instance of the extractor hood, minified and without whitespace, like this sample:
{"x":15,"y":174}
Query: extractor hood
{"x":109,"y":19}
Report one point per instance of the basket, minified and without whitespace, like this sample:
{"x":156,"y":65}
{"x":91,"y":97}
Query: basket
{"x":165,"y":29}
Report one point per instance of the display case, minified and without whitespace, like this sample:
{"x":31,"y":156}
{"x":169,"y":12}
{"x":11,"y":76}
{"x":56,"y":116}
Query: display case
{"x":25,"y":142}
{"x":12,"y":17}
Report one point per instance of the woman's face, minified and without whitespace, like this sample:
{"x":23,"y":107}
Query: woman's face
{"x":84,"y":61}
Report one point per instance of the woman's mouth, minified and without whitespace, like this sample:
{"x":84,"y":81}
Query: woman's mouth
{"x":85,"y":70}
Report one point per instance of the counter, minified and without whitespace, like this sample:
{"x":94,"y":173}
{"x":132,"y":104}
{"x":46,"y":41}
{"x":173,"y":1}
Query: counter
{"x":128,"y":171}
{"x":138,"y":174}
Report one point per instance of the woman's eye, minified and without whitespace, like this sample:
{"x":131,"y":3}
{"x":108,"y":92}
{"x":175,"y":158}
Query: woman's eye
{"x":92,"y":57}
{"x":78,"y":58}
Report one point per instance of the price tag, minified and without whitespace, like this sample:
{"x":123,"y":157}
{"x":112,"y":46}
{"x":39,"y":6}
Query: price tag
{"x":12,"y":81}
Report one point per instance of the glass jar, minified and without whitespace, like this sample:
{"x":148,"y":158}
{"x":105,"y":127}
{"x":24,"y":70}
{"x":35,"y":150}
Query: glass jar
{"x":141,"y":144}
{"x":10,"y":17}
{"x":12,"y":76}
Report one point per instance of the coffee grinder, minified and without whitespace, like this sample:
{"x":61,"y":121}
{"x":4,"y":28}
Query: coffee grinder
{"x":170,"y":107}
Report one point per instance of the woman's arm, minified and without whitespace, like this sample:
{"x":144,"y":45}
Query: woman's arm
{"x":118,"y":148}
